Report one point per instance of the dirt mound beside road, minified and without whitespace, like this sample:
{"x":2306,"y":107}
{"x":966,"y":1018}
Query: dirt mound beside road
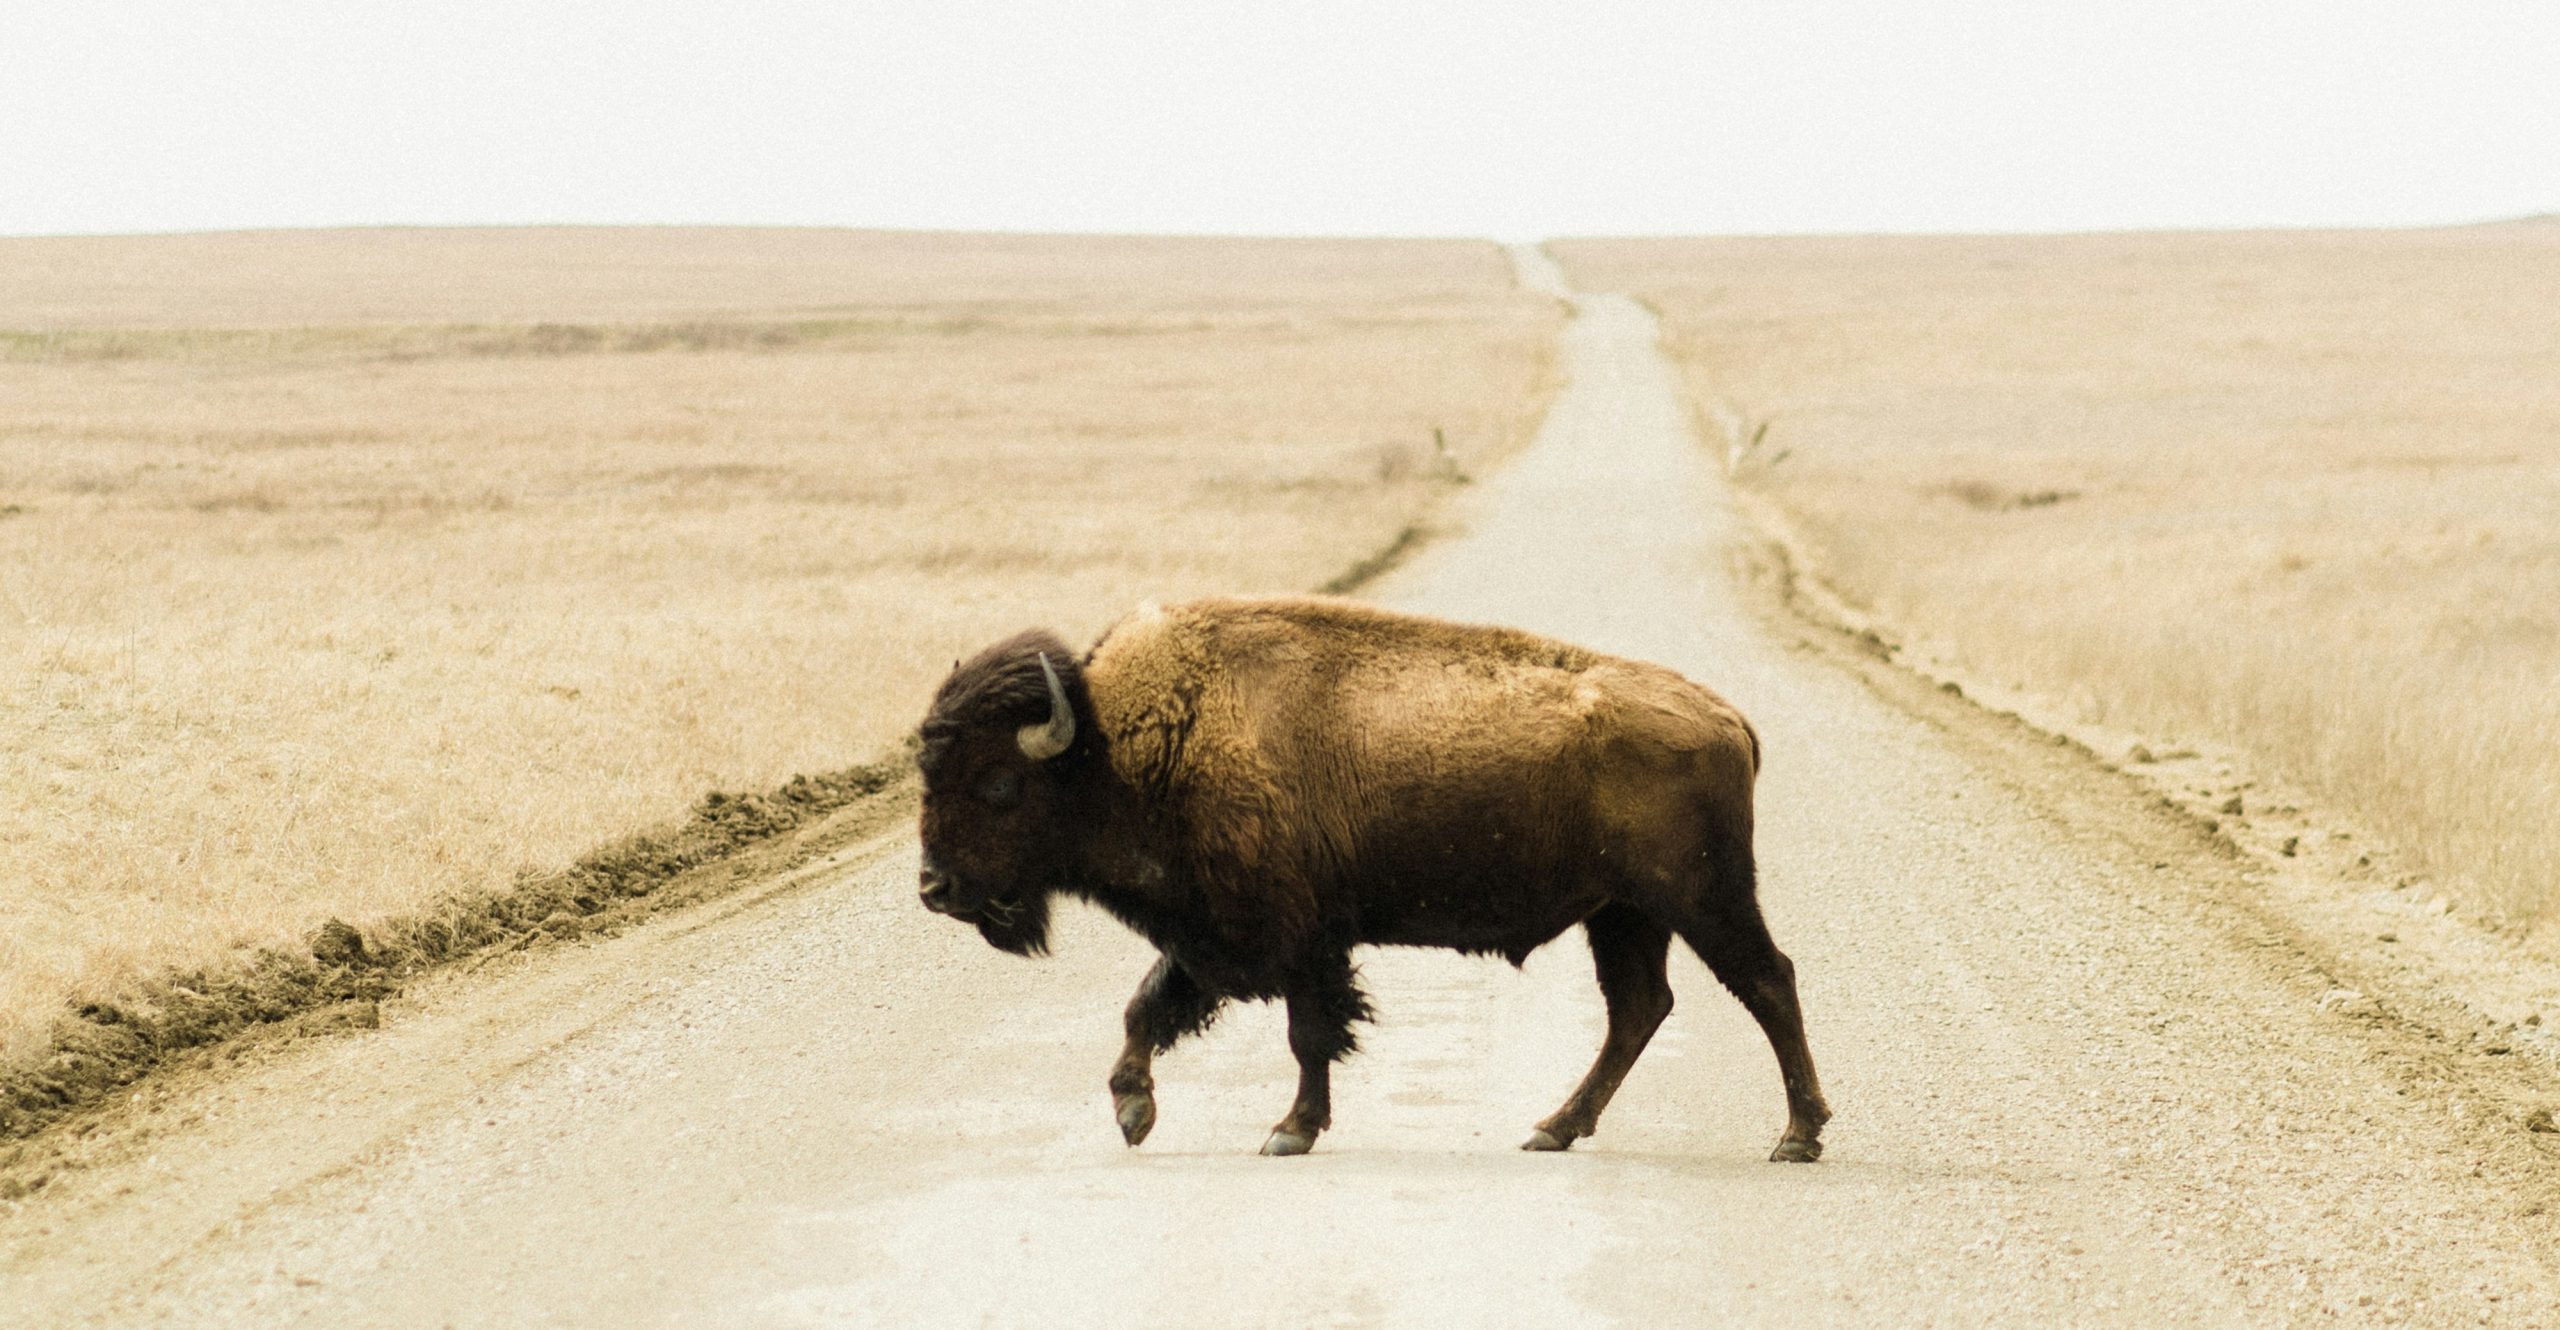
{"x":335,"y":981}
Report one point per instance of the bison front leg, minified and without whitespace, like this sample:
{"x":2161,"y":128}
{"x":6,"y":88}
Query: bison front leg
{"x":1322,"y":1007}
{"x":1168,"y":1005}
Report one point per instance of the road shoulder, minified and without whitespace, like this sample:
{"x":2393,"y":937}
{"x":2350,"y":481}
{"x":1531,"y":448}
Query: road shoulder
{"x":286,"y":1103}
{"x":2430,"y":997}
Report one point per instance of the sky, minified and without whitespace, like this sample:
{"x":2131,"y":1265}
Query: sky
{"x":1374,"y":117}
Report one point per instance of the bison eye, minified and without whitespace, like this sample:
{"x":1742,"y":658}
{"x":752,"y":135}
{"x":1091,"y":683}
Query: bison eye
{"x":1000,"y":788}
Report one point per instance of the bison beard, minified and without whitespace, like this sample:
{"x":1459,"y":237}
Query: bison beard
{"x":1020,"y":927}
{"x":1259,"y":786}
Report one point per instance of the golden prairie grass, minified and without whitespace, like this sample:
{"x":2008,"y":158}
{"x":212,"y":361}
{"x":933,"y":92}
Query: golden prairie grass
{"x":2298,"y":492}
{"x":337,"y":590}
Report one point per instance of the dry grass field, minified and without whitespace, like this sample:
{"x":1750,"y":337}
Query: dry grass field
{"x":2299,"y":492}
{"x":342,"y":571}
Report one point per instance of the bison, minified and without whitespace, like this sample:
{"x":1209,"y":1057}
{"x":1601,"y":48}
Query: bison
{"x":1260,"y":785}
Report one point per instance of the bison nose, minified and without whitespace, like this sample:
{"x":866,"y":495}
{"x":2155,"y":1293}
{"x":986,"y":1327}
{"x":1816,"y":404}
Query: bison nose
{"x":936,"y":891}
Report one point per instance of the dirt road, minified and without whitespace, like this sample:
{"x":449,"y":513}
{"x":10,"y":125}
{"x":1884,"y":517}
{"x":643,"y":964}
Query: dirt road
{"x":2072,"y":1088}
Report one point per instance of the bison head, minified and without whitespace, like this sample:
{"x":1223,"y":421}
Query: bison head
{"x":999,"y":754}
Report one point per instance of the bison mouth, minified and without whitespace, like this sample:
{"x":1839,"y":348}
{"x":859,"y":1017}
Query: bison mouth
{"x":1016,"y":921}
{"x":1019,"y":925}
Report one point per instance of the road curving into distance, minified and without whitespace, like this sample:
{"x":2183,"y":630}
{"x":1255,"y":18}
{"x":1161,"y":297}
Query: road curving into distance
{"x":2071,"y":1089}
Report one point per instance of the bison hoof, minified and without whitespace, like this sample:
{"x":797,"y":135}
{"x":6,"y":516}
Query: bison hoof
{"x":1795,"y":1151}
{"x":1543,"y":1140}
{"x":1137,"y":1113}
{"x":1288,"y":1143}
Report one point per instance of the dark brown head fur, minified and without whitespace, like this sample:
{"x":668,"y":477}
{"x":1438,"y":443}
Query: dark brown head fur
{"x":996,"y":822}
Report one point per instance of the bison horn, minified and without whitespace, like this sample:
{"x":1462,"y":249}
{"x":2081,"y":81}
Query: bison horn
{"x":1050,"y":737}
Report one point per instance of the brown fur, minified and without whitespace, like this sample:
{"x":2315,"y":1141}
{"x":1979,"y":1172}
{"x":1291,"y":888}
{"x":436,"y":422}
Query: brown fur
{"x":1261,"y":785}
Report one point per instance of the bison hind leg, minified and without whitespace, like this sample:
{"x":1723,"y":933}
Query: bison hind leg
{"x":1629,"y":949}
{"x":1325,"y":1001}
{"x":1732,"y":938}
